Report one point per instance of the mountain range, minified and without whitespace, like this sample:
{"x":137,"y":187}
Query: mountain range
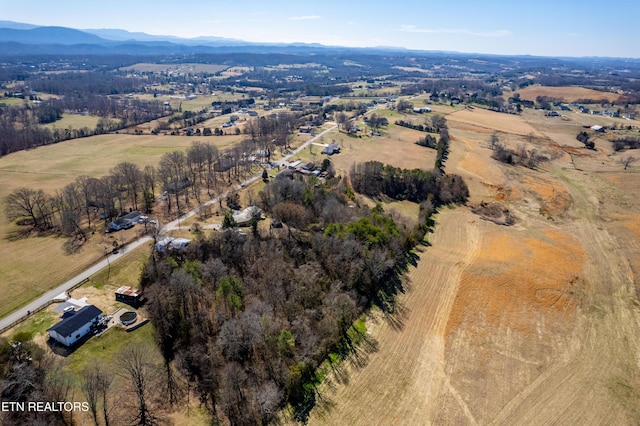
{"x":22,"y":39}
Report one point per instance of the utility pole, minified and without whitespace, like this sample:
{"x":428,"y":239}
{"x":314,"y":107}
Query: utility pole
{"x":106,"y":254}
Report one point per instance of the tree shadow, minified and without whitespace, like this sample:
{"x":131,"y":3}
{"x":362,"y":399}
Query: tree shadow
{"x":72,"y":246}
{"x":354,"y":353}
{"x":18,"y":234}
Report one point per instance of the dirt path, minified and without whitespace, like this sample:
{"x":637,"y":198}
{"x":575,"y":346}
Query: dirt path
{"x":415,"y":375}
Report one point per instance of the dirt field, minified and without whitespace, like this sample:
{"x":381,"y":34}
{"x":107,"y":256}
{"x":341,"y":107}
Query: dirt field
{"x":567,"y":94}
{"x":536,"y":323}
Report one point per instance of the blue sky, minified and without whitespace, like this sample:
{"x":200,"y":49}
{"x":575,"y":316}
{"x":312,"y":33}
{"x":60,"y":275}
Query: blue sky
{"x":549,"y":28}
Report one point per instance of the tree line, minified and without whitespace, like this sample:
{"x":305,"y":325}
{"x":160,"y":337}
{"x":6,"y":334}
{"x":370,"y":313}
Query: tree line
{"x":20,"y":126}
{"x":186,"y":177}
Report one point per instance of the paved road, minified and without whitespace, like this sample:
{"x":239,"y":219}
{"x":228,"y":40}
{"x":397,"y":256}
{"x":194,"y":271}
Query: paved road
{"x":50,"y":295}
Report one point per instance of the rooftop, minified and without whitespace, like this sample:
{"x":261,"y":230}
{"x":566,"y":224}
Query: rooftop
{"x":71,"y":324}
{"x":128,"y":291}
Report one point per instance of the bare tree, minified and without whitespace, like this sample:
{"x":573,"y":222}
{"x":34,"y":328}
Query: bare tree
{"x":137,"y":369}
{"x":91,"y":390}
{"x":173,"y":174}
{"x":130,"y":177}
{"x":104,"y":381}
{"x":626,"y":162}
{"x":341,"y":118}
{"x":530,"y":137}
{"x":494,"y":140}
{"x":26,"y":202}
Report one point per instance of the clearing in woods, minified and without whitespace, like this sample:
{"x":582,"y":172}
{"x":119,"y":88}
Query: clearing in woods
{"x":536,"y":323}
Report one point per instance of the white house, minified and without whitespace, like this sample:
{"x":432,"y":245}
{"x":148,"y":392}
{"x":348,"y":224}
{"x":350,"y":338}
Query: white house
{"x":180,"y":243}
{"x":75,"y":327}
{"x":125,"y":221}
{"x":162,"y":245}
{"x":244,"y":217}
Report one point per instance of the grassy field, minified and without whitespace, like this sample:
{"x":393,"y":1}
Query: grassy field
{"x":10,"y":101}
{"x":74,"y":121}
{"x":33,"y":265}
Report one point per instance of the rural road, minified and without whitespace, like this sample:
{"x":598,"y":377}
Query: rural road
{"x":24,"y":311}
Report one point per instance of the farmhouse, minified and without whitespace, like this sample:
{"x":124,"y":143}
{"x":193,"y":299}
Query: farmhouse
{"x":130,"y":296}
{"x":125,"y":221}
{"x":420,"y":110}
{"x":597,"y":128}
{"x":73,"y":328}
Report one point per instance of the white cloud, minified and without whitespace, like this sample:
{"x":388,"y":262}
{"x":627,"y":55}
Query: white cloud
{"x":303,"y":18}
{"x":414,"y":29}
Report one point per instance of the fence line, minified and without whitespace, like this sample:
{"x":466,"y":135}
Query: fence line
{"x":38,"y":309}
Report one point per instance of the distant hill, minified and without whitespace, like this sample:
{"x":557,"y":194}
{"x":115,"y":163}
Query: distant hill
{"x":16,"y":25}
{"x":49,"y":35}
{"x":123,"y":35}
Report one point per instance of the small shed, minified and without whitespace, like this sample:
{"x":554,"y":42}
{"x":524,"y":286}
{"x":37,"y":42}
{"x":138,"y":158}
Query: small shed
{"x":129,"y":295}
{"x":75,"y":327}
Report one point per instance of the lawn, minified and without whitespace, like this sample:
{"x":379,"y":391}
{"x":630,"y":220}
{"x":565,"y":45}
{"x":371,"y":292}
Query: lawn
{"x":104,"y":348}
{"x":74,"y":121}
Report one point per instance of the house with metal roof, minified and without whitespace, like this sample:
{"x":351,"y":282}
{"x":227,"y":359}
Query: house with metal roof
{"x":75,"y":326}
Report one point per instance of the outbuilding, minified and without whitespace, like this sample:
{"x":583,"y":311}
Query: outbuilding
{"x":129,"y":295}
{"x":75,"y":326}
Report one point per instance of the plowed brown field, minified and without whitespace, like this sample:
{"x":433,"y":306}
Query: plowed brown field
{"x":537,"y":323}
